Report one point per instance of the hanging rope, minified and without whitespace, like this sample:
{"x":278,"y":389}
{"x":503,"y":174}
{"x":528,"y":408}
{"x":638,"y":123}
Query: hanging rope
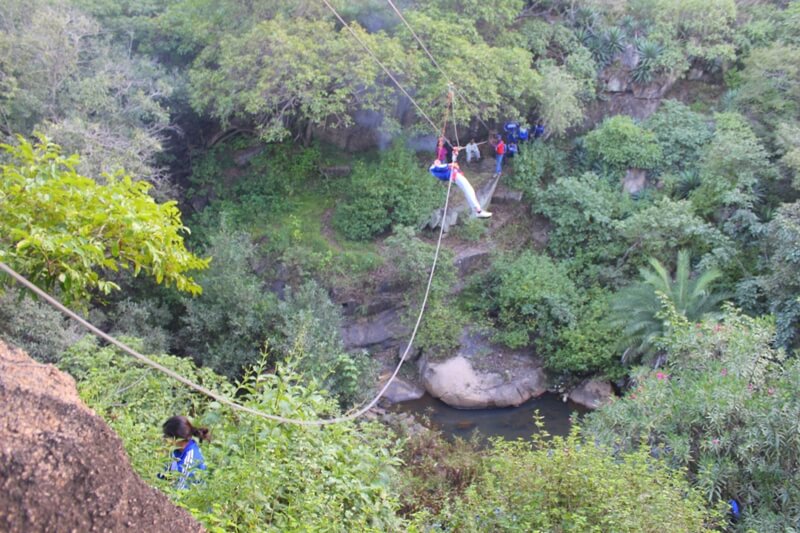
{"x":436,"y":64}
{"x":223,"y":399}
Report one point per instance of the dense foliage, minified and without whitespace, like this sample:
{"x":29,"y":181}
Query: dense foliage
{"x":725,"y":409}
{"x":262,"y":475}
{"x":666,"y":181}
{"x":66,"y":230}
{"x":569,"y":485}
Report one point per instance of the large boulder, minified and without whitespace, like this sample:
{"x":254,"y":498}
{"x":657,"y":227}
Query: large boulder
{"x":592,"y":394}
{"x":61,"y":467}
{"x":481,"y":375}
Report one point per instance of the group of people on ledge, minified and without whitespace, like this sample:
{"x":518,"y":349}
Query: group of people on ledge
{"x":445,"y":166}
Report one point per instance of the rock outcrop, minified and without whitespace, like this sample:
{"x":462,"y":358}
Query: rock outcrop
{"x":481,"y":375}
{"x":61,"y":467}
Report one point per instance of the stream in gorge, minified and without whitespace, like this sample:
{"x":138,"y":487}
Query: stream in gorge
{"x":507,"y":422}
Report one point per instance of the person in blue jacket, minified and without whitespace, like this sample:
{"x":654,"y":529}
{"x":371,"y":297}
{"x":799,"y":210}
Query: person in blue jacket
{"x":186,"y":457}
{"x":511,"y":128}
{"x":444,"y":171}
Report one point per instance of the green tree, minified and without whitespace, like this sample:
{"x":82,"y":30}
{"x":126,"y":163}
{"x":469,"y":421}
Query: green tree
{"x":638,"y":309}
{"x":558,"y":98}
{"x":532,"y":298}
{"x":582,"y":211}
{"x":290,"y":71}
{"x":681,"y":133}
{"x":666,"y":225}
{"x":63,"y":229}
{"x":393,"y":191}
{"x":769,"y":91}
{"x":592,"y":345}
{"x":781,"y":282}
{"x":411,"y":259}
{"x":226,"y":327}
{"x":696,"y":28}
{"x":67,"y":78}
{"x":310,"y":324}
{"x":732,"y":165}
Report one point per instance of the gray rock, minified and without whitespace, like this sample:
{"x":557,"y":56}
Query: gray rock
{"x":373,"y":330}
{"x":592,"y":394}
{"x":458,"y":383}
{"x":472,"y":260}
{"x":513,"y":377}
{"x":616,"y":84}
{"x":402,"y":391}
{"x":634,"y":181}
{"x":242,"y":157}
{"x":505,"y":196}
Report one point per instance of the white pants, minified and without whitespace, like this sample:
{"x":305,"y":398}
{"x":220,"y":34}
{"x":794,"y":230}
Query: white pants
{"x":469,"y":192}
{"x":473,"y":153}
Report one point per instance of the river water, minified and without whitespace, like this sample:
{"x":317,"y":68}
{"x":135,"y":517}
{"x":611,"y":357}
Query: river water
{"x":509,"y":422}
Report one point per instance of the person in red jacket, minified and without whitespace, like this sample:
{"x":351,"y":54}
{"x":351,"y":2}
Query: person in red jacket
{"x":500,"y":151}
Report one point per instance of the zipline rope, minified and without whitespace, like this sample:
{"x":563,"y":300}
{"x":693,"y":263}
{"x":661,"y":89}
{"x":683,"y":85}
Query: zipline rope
{"x":223,"y":399}
{"x":378,"y":61}
{"x":436,"y":64}
{"x":218,"y":397}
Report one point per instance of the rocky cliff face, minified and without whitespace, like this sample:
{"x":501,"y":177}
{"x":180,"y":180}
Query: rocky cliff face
{"x":61,"y":467}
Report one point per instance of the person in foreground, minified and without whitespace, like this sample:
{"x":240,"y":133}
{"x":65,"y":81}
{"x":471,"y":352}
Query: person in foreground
{"x":444,"y":171}
{"x":186,"y":457}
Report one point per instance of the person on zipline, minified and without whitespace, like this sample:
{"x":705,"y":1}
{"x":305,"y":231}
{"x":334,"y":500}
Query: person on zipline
{"x":444,"y":171}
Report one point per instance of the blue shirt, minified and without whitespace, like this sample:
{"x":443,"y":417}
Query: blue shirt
{"x":523,"y":134}
{"x":441,"y":172}
{"x":187,"y":461}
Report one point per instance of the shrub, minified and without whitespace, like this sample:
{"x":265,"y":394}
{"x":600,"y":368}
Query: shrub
{"x":582,"y":211}
{"x":412,"y":258}
{"x":619,"y":144}
{"x":310,"y":324}
{"x":569,"y":485}
{"x":227,"y":326}
{"x":591,"y":347}
{"x":35,"y":326}
{"x":659,"y":229}
{"x":531,"y":299}
{"x":537,"y":164}
{"x":638,"y":308}
{"x":393,"y":191}
{"x":681,"y":133}
{"x":723,"y":407}
{"x":731,"y":167}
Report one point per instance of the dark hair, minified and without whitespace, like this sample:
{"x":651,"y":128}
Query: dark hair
{"x":179,"y":427}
